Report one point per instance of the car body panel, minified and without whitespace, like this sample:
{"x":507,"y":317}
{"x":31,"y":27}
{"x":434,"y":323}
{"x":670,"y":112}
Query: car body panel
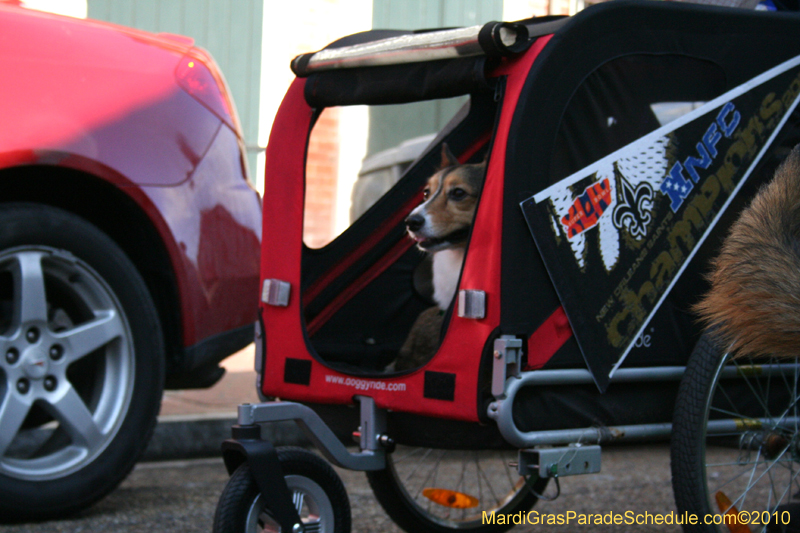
{"x":216,"y":228}
{"x":103,"y":99}
{"x":88,"y":88}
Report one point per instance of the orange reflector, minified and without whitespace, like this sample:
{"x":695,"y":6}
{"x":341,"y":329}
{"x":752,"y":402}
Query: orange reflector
{"x":723,"y":502}
{"x":451,"y":498}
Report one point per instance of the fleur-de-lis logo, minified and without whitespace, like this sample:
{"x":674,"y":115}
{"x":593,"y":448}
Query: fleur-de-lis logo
{"x":633,"y":207}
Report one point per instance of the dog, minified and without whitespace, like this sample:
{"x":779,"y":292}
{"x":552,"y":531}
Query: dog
{"x":440,"y":226}
{"x":754,"y":301}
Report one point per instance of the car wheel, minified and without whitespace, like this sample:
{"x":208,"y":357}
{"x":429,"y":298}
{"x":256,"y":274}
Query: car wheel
{"x":81,"y":363}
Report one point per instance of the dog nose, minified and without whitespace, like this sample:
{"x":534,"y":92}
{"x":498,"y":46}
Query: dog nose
{"x":415,"y":222}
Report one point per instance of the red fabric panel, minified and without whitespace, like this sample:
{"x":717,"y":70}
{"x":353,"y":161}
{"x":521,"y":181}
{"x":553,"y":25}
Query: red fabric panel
{"x":547,"y":339}
{"x":282,"y":240}
{"x":461,"y":349}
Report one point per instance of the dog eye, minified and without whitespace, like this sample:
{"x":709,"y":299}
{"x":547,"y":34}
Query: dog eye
{"x":426,"y":193}
{"x":457,"y":194}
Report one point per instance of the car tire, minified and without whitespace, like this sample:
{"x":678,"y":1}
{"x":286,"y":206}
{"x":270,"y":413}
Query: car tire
{"x":81,"y":363}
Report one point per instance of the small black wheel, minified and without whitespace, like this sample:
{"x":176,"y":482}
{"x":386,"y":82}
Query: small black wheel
{"x":427,"y":490}
{"x":81,"y":363}
{"x":317,"y":492}
{"x":735,"y":443}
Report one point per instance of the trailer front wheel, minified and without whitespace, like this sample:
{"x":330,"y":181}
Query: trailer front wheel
{"x":317,"y":493}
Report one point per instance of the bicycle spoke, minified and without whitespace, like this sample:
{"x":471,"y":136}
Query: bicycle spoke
{"x":419,"y":463}
{"x":431,"y":473}
{"x":752,"y":482}
{"x":488,"y":483}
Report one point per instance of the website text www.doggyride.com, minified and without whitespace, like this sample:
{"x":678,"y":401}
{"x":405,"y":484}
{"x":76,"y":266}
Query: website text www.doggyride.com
{"x":365,"y":384}
{"x":631,"y":518}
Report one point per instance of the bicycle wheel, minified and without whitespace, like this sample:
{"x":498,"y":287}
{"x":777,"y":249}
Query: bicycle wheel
{"x":427,"y":490}
{"x":317,"y":492}
{"x":736,"y":445}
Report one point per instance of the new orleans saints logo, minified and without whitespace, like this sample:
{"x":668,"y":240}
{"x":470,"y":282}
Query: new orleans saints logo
{"x":633,"y":206}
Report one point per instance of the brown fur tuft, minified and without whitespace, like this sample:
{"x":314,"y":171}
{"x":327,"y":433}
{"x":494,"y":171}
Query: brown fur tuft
{"x":422,"y":341}
{"x":754,"y":301}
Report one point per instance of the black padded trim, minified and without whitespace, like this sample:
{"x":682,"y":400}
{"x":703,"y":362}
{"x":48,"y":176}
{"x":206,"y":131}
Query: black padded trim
{"x":398,"y":84}
{"x":440,"y":386}
{"x":297,"y":371}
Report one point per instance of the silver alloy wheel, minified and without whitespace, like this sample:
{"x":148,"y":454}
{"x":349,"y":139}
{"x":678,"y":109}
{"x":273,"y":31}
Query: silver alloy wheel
{"x":312,"y":504}
{"x":66,"y":363}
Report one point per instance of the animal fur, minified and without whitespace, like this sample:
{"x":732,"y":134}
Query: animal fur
{"x":422,"y":341}
{"x":754,"y":301}
{"x":446,"y":267}
{"x":440,"y":226}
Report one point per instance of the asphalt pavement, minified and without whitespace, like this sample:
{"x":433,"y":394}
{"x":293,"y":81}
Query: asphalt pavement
{"x":181,"y":496}
{"x":178,"y":483}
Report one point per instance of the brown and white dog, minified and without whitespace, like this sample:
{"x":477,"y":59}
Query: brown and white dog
{"x":754,"y":301}
{"x":441,"y":224}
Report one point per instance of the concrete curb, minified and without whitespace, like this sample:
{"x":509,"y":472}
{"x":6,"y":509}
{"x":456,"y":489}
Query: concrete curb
{"x":196,"y":436}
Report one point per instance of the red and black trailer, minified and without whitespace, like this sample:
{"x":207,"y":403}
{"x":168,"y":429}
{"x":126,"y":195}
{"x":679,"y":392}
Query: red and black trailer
{"x":620,"y":144}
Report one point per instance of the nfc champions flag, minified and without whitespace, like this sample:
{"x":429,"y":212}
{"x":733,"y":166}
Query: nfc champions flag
{"x":617,"y":235}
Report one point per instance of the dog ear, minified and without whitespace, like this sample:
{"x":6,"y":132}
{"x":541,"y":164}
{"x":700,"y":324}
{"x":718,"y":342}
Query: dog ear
{"x":448,"y":159}
{"x":485,"y":159}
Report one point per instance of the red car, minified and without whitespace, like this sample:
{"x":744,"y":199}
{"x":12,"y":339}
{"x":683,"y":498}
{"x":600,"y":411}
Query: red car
{"x":129,"y":248}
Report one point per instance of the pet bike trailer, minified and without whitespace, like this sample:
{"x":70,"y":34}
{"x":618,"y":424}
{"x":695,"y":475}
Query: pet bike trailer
{"x":619,"y":144}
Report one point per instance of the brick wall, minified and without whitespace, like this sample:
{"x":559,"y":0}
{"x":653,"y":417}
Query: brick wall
{"x":321,"y":177}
